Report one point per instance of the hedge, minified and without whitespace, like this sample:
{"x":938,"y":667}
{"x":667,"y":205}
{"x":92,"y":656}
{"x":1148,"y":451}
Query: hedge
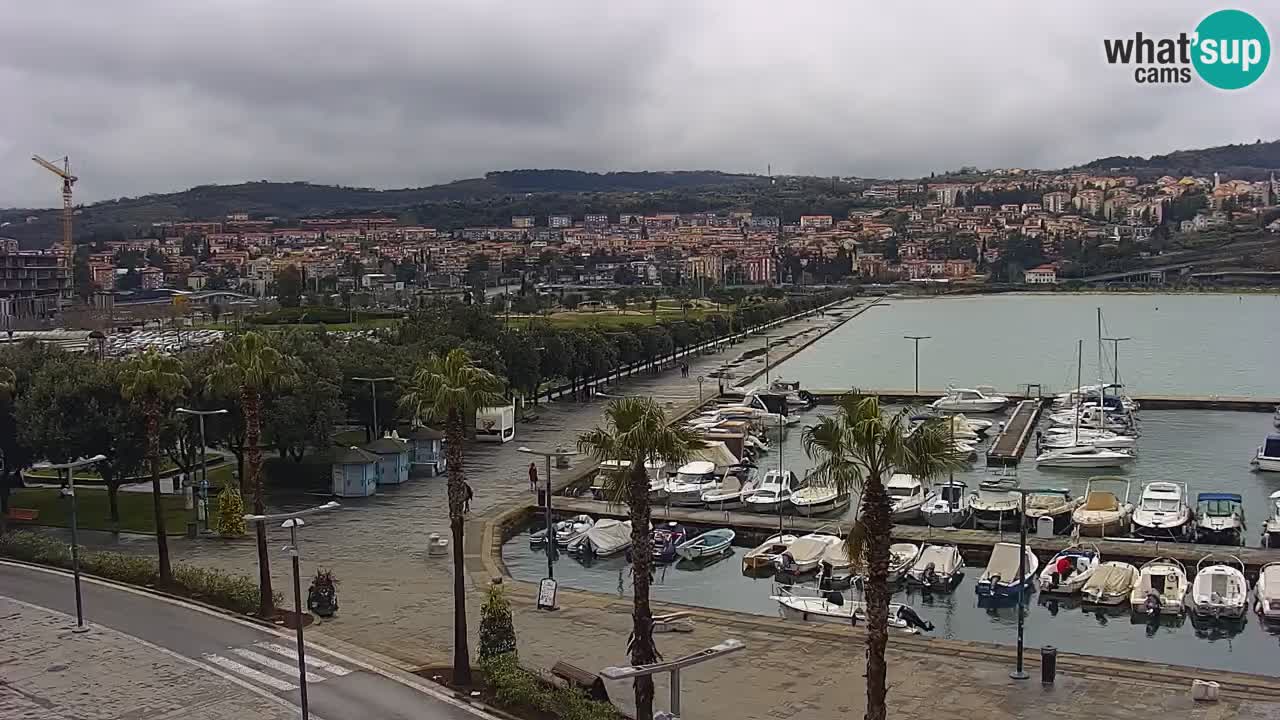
{"x":313,"y":314}
{"x":515,"y":687}
{"x":237,"y":593}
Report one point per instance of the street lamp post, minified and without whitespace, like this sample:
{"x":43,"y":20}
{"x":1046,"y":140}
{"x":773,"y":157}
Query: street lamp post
{"x":373,"y":397}
{"x":916,"y":339}
{"x":204,"y":460}
{"x":70,"y":492}
{"x":551,"y":536}
{"x":293,"y":521}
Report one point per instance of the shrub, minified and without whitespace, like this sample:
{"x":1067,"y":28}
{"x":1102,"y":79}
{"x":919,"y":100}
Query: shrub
{"x":233,"y":592}
{"x":515,"y":687}
{"x":230,"y":512}
{"x":497,"y":631}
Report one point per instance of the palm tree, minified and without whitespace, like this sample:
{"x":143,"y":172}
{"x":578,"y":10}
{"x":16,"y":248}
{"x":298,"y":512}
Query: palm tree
{"x":155,"y":381}
{"x":450,"y":389}
{"x":249,"y":365}
{"x":636,"y":431}
{"x":856,"y":450}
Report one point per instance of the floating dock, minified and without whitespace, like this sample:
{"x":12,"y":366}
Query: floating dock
{"x":975,"y":545}
{"x":1007,"y":449}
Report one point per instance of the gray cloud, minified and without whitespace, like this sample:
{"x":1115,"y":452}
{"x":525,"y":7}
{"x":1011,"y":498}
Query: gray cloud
{"x":150,"y":96}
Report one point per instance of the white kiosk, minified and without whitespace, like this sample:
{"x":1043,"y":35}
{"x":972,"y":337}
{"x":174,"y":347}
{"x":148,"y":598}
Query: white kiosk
{"x":496,"y":424}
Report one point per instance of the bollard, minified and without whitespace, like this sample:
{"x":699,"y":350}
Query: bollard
{"x":542,"y":497}
{"x":1048,"y":664}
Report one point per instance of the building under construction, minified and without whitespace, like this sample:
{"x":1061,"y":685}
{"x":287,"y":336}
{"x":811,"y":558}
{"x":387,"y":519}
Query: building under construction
{"x":32,"y":284}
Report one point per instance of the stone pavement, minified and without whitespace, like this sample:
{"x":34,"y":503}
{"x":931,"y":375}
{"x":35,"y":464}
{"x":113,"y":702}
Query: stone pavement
{"x":49,"y":673}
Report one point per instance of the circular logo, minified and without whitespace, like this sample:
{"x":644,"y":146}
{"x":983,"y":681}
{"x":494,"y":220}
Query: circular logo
{"x":1232,"y":49}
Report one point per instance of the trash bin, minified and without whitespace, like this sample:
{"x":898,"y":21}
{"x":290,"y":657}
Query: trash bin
{"x":542,"y":497}
{"x":192,"y":530}
{"x":1044,"y":527}
{"x":1048,"y":664}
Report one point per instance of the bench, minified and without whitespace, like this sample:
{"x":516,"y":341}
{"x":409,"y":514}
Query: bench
{"x":23,"y":514}
{"x":585,"y":680}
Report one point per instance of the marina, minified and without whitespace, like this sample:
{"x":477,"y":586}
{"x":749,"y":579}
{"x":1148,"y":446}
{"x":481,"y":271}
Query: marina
{"x":1011,"y":443}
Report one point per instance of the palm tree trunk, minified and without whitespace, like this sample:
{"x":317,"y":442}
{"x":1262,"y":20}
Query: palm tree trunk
{"x":153,"y":455}
{"x":252,"y":430}
{"x":457,"y":496}
{"x":643,"y":650}
{"x":877,"y":520}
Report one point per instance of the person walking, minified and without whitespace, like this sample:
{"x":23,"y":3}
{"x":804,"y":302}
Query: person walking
{"x":533,"y":478}
{"x":466,"y":501}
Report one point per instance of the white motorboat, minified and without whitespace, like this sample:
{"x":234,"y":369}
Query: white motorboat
{"x":1161,"y":588}
{"x":605,"y":484}
{"x":938,"y":567}
{"x":901,"y":557}
{"x":976,"y":425}
{"x":1068,"y":571}
{"x":1058,"y":438}
{"x":1056,"y":505}
{"x":803,"y":555}
{"x":709,"y":543}
{"x":818,"y":499}
{"x":1162,"y":512}
{"x":822,"y":609}
{"x":948,"y":506}
{"x":1267,"y":592}
{"x":982,"y":400}
{"x":1219,"y":519}
{"x":564,"y":530}
{"x":763,"y":555}
{"x":1084,"y":456}
{"x":1110,"y":584}
{"x":906,"y":496}
{"x":996,"y":507}
{"x":1000,"y":579}
{"x":728,"y":494}
{"x":690,"y":482}
{"x":1095,"y":394}
{"x":1271,"y":528}
{"x":1093,"y":417}
{"x":964,"y":451}
{"x":1103,"y":513}
{"x":792,"y":392}
{"x":607,"y":537}
{"x":1219,"y":589}
{"x":773,"y":493}
{"x":1267,"y":458}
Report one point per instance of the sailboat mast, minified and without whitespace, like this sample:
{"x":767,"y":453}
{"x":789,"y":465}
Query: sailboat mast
{"x":1079,"y":369}
{"x":1102,"y":390}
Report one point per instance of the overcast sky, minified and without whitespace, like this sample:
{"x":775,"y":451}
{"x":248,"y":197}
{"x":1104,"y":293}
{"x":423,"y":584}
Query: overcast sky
{"x":159,"y":95}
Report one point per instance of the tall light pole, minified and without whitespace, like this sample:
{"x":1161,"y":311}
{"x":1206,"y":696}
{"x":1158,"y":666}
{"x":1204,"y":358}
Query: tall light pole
{"x":916,"y":339}
{"x":293,"y":521}
{"x":558,"y":453}
{"x":204,"y":460}
{"x":70,"y":492}
{"x":1019,"y":673}
{"x":1115,"y":360}
{"x":373,"y":397}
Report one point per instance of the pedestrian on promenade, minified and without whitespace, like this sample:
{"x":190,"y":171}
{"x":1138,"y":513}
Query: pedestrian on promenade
{"x":466,"y":498}
{"x":533,"y":478}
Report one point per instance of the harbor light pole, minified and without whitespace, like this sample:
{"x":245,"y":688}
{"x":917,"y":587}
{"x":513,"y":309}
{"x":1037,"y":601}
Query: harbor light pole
{"x":204,"y":460}
{"x":916,"y":339}
{"x":558,"y":453}
{"x":1019,"y":673}
{"x":373,"y":397}
{"x":293,"y":521}
{"x":70,"y":492}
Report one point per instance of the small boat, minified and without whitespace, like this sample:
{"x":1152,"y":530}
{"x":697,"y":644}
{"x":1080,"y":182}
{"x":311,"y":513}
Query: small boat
{"x":1055,"y":505}
{"x":937,"y":567}
{"x":822,"y":609}
{"x":1271,"y":528}
{"x":818,"y":499}
{"x":1000,"y":579}
{"x":728,"y":494}
{"x":791,"y":391}
{"x":1267,"y":458}
{"x":763,"y":555}
{"x":566,"y":531}
{"x":600,"y":487}
{"x":901,"y":557}
{"x":803,"y":555}
{"x":1267,"y":592}
{"x":996,"y":507}
{"x":605,"y":538}
{"x":709,"y":543}
{"x":773,"y":493}
{"x":1092,"y":417}
{"x":666,"y":539}
{"x":1110,"y":584}
{"x":1162,"y":512}
{"x":1068,"y":578}
{"x":1058,"y":438}
{"x":1161,"y":588}
{"x":907,"y":496}
{"x":1103,"y":512}
{"x":690,"y":481}
{"x":981,"y":399}
{"x":1219,"y":519}
{"x":949,"y":506}
{"x":1219,"y":589}
{"x":1084,"y":456}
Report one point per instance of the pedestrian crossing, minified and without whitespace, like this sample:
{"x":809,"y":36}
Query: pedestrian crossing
{"x":274,"y":665}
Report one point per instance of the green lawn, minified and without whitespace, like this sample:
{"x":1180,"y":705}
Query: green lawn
{"x":612,"y":318}
{"x":92,"y":510}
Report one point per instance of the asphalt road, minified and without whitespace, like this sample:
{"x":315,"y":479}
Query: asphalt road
{"x":339,"y":687}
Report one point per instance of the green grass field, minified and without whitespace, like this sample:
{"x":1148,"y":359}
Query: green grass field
{"x":613,"y":319}
{"x":92,"y":509}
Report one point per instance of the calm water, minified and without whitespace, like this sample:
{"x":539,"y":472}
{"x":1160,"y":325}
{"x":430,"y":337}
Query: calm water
{"x":1208,"y":450}
{"x":1182,"y":344}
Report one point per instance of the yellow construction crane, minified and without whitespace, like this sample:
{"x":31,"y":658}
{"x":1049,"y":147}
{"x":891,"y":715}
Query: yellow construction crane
{"x":64,"y":172}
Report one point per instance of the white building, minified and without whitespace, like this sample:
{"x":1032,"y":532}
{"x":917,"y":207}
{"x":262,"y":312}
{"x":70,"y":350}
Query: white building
{"x":1043,"y":275}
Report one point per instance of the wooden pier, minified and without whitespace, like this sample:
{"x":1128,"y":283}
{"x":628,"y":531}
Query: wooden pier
{"x":975,"y":545}
{"x":1007,"y":449}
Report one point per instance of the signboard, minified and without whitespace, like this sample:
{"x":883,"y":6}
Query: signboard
{"x":547,"y":594}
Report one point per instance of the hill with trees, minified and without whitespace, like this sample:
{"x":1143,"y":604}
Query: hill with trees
{"x":1251,"y":161}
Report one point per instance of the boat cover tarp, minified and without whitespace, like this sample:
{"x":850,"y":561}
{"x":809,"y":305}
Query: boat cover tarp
{"x":608,"y":534}
{"x":944,"y":559}
{"x":1271,"y":577}
{"x":1111,"y":579}
{"x":1102,"y":500}
{"x":1004,"y":562}
{"x":716,"y":453}
{"x":1203,"y":497}
{"x":808,"y":548}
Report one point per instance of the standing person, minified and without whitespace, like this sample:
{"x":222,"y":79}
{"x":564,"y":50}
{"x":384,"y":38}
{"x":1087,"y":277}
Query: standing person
{"x":533,"y":477}
{"x":466,"y":502}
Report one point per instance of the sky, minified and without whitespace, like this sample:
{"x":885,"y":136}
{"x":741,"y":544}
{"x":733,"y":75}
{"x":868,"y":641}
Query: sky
{"x":153,"y":96}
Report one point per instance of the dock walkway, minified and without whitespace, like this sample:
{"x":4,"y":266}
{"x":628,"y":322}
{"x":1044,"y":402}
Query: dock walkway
{"x":1008,"y":447}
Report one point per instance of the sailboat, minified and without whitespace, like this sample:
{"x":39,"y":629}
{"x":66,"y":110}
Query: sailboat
{"x":1082,"y":455}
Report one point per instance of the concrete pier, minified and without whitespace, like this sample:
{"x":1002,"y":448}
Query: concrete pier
{"x":1152,"y":402}
{"x":1011,"y":443}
